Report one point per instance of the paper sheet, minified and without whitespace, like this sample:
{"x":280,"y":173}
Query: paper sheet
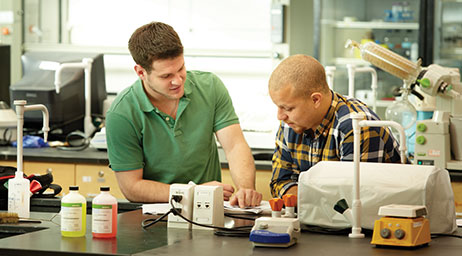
{"x":263,"y":208}
{"x":155,"y":209}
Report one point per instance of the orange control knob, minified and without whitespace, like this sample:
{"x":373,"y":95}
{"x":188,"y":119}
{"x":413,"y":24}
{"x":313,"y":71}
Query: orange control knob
{"x":276,"y":204}
{"x":290,"y":200}
{"x":5,"y":31}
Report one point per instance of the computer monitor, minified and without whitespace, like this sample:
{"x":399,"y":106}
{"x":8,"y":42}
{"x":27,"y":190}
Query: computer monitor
{"x":67,"y":109}
{"x":5,"y":73}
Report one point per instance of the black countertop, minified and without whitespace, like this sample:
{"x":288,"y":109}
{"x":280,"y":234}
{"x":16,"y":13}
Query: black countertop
{"x":132,"y":239}
{"x":88,"y":155}
{"x":54,"y":205}
{"x":95,"y":156}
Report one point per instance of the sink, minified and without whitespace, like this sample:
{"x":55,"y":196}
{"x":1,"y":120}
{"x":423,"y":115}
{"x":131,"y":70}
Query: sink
{"x":13,"y":230}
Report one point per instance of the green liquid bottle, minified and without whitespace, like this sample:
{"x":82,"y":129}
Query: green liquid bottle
{"x":73,"y":213}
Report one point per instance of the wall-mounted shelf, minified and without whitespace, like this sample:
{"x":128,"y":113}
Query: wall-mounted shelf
{"x":372,"y":24}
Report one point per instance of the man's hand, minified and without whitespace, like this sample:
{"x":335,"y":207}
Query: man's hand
{"x":246,"y":198}
{"x":228,"y":190}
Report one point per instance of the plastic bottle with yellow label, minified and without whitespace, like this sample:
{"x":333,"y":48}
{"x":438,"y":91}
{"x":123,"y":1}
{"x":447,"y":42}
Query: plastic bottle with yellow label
{"x":73,"y":213}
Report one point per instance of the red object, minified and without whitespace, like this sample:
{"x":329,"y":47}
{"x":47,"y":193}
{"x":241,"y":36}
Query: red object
{"x":113,"y":227}
{"x":290,"y":200}
{"x":276,"y":204}
{"x":35,"y":186}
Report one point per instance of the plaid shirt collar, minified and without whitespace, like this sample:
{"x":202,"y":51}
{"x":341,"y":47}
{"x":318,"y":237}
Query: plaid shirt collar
{"x":326,"y":123}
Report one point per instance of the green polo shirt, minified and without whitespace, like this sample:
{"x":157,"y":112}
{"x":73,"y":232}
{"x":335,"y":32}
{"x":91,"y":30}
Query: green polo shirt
{"x":170,"y":151}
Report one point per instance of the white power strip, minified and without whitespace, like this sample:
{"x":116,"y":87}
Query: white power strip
{"x":186,"y":191}
{"x":208,"y":206}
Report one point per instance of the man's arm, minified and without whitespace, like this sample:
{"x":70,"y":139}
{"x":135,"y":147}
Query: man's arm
{"x":241,"y":165}
{"x":137,"y":189}
{"x":285,"y":175}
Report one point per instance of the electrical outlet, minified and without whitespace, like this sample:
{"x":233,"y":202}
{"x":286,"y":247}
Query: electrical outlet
{"x":208,"y":206}
{"x":186,"y":191}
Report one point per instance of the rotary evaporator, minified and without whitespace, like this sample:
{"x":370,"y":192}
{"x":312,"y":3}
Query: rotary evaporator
{"x":438,"y":136}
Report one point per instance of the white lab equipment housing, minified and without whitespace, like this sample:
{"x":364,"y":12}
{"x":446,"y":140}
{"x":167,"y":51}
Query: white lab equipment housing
{"x":381,"y":184}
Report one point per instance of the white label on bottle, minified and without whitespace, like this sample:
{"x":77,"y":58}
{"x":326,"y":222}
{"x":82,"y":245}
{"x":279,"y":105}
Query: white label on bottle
{"x":18,"y":198}
{"x":71,"y":217}
{"x":101,"y":219}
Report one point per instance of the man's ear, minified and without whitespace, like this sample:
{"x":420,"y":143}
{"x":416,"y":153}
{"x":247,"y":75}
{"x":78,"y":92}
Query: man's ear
{"x":316,"y":98}
{"x":140,"y":72}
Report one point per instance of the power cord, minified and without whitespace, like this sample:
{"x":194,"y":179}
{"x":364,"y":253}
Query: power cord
{"x":7,"y":136}
{"x":441,"y":235}
{"x":221,"y":231}
{"x":149,"y":222}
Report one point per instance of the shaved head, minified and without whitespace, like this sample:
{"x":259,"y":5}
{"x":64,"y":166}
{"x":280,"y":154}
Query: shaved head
{"x":302,"y":72}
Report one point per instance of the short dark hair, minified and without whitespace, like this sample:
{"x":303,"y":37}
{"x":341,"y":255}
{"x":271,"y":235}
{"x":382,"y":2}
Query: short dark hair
{"x":154,"y":41}
{"x":302,"y":72}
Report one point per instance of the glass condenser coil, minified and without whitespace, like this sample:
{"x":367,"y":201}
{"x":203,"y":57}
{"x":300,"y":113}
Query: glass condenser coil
{"x":387,"y":60}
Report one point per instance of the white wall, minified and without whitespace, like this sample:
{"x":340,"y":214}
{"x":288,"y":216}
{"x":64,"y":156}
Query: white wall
{"x":229,"y":38}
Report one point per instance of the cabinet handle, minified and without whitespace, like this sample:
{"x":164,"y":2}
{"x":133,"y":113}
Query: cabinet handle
{"x":101,"y":174}
{"x":49,"y":171}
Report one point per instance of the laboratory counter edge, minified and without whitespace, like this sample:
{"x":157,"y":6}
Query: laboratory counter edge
{"x":132,"y":239}
{"x":94,"y":156}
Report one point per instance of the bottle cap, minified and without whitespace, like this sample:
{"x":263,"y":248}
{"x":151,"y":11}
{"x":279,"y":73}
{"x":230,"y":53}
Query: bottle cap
{"x":276,"y":204}
{"x":290,"y":200}
{"x":74,"y":188}
{"x":105,"y":188}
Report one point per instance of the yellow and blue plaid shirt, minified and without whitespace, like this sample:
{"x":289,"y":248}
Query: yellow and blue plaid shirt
{"x":331,"y":141}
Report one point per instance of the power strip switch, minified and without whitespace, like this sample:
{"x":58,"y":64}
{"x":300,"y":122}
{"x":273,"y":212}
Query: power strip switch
{"x":185,"y":205}
{"x":208,"y":206}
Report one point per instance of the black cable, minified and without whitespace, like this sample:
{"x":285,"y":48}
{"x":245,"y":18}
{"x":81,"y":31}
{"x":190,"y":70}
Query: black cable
{"x":236,"y":231}
{"x":6,"y":141}
{"x":149,"y":222}
{"x":221,"y":231}
{"x":440,"y":235}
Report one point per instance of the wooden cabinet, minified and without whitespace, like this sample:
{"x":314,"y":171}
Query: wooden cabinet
{"x":263,"y":178}
{"x":457,"y":188}
{"x":63,"y":174}
{"x":90,"y":178}
{"x":8,"y":163}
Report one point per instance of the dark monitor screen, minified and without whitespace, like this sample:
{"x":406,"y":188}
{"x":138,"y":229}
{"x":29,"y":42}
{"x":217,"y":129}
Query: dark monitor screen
{"x":67,"y":109}
{"x":5,"y":73}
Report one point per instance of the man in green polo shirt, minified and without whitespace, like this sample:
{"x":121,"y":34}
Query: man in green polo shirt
{"x":161,"y":129}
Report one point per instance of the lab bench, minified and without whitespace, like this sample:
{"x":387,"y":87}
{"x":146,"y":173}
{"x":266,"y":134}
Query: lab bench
{"x":89,"y":168}
{"x":132,"y":239}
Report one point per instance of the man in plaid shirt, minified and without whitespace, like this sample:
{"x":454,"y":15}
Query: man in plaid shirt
{"x":316,"y":124}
